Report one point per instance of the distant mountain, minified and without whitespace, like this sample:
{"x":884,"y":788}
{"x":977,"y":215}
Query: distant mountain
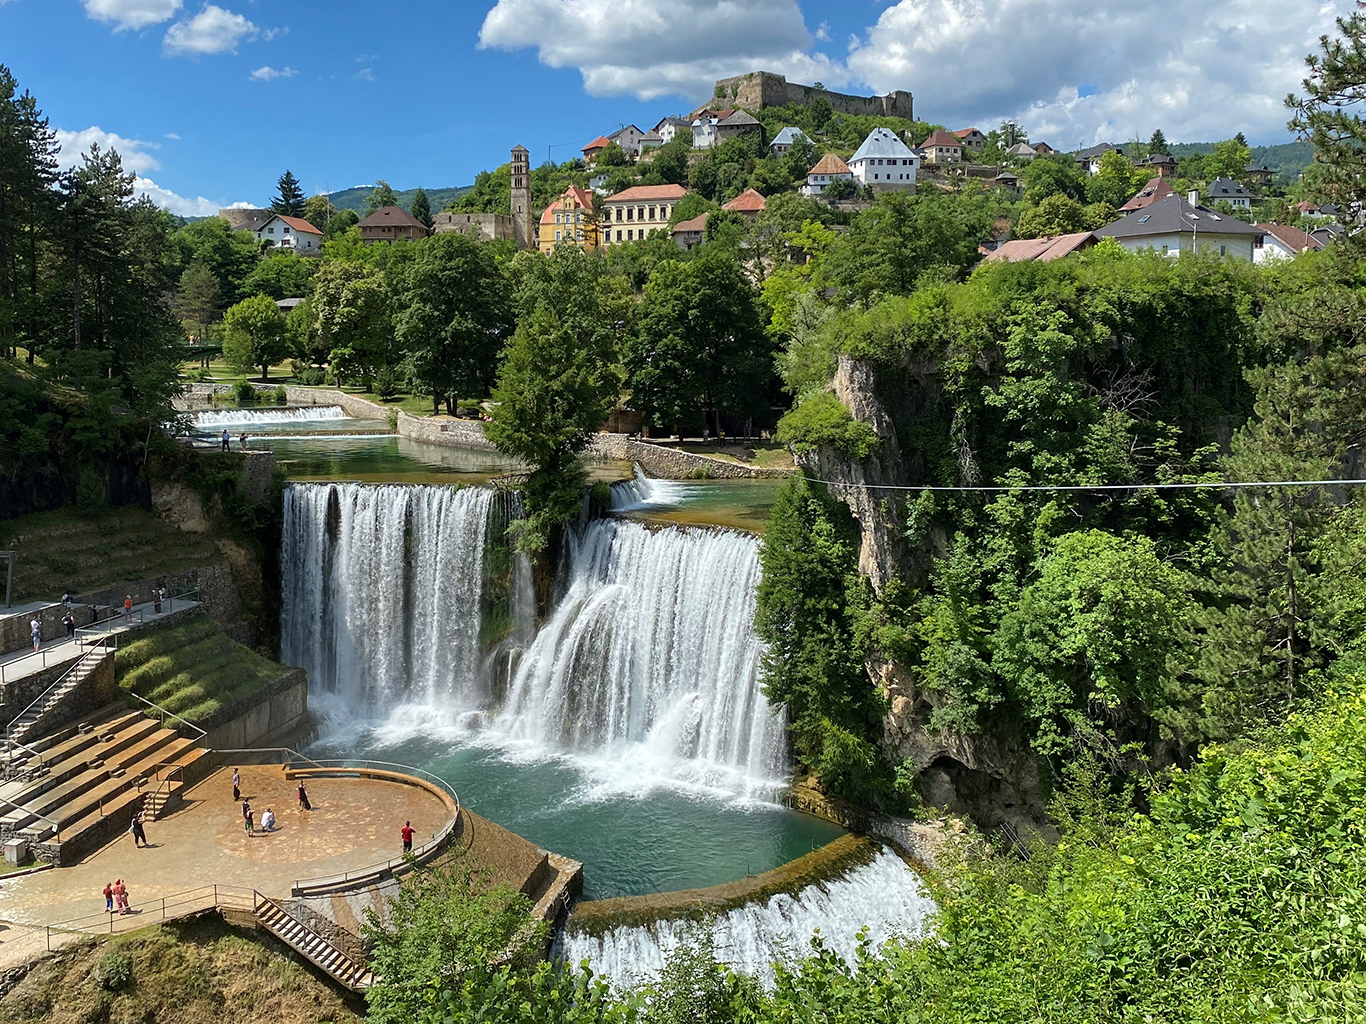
{"x":1287,"y":159}
{"x":354,"y":198}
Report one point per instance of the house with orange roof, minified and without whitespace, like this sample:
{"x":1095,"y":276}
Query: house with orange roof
{"x":290,"y":233}
{"x":689,"y":234}
{"x":594,"y":148}
{"x":828,"y":170}
{"x":569,"y":219}
{"x":638,"y":212}
{"x":972,"y":139}
{"x":749,"y":202}
{"x":1281,"y":242}
{"x":1043,"y":250}
{"x":1157,"y":188}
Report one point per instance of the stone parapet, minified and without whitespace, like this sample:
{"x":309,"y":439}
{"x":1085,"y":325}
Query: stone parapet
{"x":919,"y":840}
{"x":261,"y":717}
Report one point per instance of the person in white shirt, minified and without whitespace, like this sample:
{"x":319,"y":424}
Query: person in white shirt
{"x":268,"y":820}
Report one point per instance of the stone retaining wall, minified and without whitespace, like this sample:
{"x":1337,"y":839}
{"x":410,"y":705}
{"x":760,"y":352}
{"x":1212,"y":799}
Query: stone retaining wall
{"x":920,"y":841}
{"x":261,"y":717}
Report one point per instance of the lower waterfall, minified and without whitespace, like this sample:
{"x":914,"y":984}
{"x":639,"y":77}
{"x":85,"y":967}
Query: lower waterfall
{"x":258,"y":417}
{"x":884,"y":896}
{"x":643,"y":492}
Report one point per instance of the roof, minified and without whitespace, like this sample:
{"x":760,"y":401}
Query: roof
{"x":884,"y":142}
{"x":942,"y":138}
{"x":601,"y":142}
{"x":1292,"y":238}
{"x":1043,"y":147}
{"x":638,"y":193}
{"x":583,"y":199}
{"x":289,"y":303}
{"x":652,"y":136}
{"x":1157,"y":158}
{"x":748,"y":201}
{"x":625,"y":128}
{"x":297,"y":223}
{"x":1226,"y":188}
{"x":1021,"y":149}
{"x":698,"y":224}
{"x":738,"y":117}
{"x":391,"y":215}
{"x":519,"y":148}
{"x":1005,"y":176}
{"x":1097,"y":150}
{"x":789,"y":137}
{"x":830,"y":164}
{"x":1051,"y":247}
{"x":963,"y":133}
{"x":1253,"y":166}
{"x":677,"y":122}
{"x":1157,"y":188}
{"x":1171,"y":215}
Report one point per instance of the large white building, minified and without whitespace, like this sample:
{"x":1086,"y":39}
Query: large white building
{"x":1173,"y":225}
{"x":291,"y":233}
{"x":885,"y":162}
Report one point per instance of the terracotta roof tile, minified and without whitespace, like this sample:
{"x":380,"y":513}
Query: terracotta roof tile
{"x":1293,"y":238}
{"x":1052,"y":247}
{"x":698,"y":223}
{"x":942,"y":138}
{"x":647,"y":193}
{"x":748,"y":201}
{"x":830,"y":164}
{"x":601,"y":142}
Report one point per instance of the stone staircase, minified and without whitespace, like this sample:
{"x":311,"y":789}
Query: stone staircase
{"x":340,"y":966}
{"x":30,"y":721}
{"x":93,"y":778}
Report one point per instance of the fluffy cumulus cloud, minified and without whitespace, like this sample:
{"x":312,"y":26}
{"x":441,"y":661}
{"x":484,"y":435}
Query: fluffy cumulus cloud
{"x":133,"y":151}
{"x":212,"y":30}
{"x":265,"y":74}
{"x":652,"y":48}
{"x":134,"y":14}
{"x":180,"y":205}
{"x":1082,"y":71}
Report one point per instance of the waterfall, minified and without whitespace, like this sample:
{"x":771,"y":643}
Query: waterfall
{"x":650,"y":660}
{"x":884,"y":896}
{"x":642,"y":492}
{"x":214,"y":418}
{"x":383,"y":589}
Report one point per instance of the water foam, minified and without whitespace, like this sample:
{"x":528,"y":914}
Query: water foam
{"x":885,"y":897}
{"x":643,"y":492}
{"x":211,"y":418}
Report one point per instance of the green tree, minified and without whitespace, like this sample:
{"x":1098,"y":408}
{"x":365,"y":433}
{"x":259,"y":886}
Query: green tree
{"x":1053,"y":174}
{"x":699,"y":344}
{"x":351,"y":307}
{"x":254,"y":335}
{"x":1055,"y":215}
{"x":1228,"y":160}
{"x":611,"y":155}
{"x":197,"y":297}
{"x":453,"y":314}
{"x":1117,"y":180}
{"x":231,"y":255}
{"x":557,"y":382}
{"x":422,"y":209}
{"x":1157,"y":144}
{"x":289,"y":197}
{"x":1326,"y":115}
{"x":319,"y":211}
{"x":383,"y":195}
{"x":282,"y":275}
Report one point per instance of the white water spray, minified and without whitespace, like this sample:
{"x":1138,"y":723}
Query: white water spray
{"x":884,"y":896}
{"x":211,"y":418}
{"x":643,"y":492}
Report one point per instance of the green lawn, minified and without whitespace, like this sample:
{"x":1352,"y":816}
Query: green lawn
{"x":192,"y":669}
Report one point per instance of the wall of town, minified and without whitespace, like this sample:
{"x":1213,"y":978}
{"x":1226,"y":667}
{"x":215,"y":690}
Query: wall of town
{"x":759,"y":89}
{"x":486,"y":227}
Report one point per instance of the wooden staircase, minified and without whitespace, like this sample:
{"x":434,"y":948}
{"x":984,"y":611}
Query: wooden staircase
{"x":338,"y":965}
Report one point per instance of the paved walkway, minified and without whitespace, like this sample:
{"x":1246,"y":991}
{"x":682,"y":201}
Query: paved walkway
{"x":18,"y":664}
{"x":354,"y":824}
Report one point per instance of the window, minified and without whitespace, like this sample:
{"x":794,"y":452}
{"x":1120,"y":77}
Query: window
{"x":1144,"y":218}
{"x":652,"y":213}
{"x":270,"y":231}
{"x":1223,"y":250}
{"x":630,"y":235}
{"x":630,"y":213}
{"x":286,"y":229}
{"x":640,"y":213}
{"x":1164,"y":250}
{"x":557,"y":236}
{"x":618,"y":234}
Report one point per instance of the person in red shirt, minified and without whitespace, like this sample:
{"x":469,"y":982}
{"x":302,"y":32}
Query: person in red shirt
{"x":407,"y":832}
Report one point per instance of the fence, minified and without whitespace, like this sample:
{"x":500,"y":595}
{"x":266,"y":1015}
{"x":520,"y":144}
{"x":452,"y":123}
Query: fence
{"x":165,"y":908}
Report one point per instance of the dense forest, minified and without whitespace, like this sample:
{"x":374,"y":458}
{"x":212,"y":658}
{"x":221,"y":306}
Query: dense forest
{"x":1156,"y":683}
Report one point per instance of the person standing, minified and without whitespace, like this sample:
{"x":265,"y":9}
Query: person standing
{"x":69,"y":624}
{"x":67,"y":599}
{"x":236,"y":785}
{"x":156,"y":600}
{"x":128,"y":609}
{"x":36,"y":628}
{"x":407,"y":833}
{"x":304,"y":805}
{"x":227,"y":440}
{"x":139,"y":831}
{"x":243,"y":440}
{"x":108,"y":897}
{"x":120,"y":896}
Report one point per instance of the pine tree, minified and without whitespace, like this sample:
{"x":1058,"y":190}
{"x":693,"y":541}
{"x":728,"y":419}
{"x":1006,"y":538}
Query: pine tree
{"x":422,"y":209}
{"x":290,"y":201}
{"x":1158,"y":144}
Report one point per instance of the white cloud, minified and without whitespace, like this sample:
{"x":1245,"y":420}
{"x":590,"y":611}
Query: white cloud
{"x":180,"y":205}
{"x":366,"y":75}
{"x":1082,"y":71}
{"x":132,"y":13}
{"x":274,"y":33}
{"x":212,"y":30}
{"x":74,"y":144}
{"x":171,"y":135}
{"x":617,"y":45}
{"x":265,"y":74}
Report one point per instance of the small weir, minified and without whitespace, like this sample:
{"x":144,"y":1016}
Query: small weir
{"x":208,"y":419}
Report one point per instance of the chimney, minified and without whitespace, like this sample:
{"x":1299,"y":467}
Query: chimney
{"x":1193,"y":197}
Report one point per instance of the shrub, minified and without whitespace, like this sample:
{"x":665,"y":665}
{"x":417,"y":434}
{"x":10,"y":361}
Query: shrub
{"x":311,"y":376}
{"x":281,"y":395}
{"x":388,"y":382}
{"x":115,"y":970}
{"x":243,"y":392}
{"x":90,"y":492}
{"x":823,"y":421}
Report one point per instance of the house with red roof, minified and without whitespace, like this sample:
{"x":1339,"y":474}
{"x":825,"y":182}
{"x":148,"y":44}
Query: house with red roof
{"x":943,"y":148}
{"x":973,"y":140}
{"x":290,"y":233}
{"x":390,"y":224}
{"x":569,"y":219}
{"x":594,"y":149}
{"x":1157,"y":188}
{"x":828,"y":170}
{"x":637,"y":212}
{"x":1043,"y":250}
{"x":749,"y":202}
{"x":1282,"y":242}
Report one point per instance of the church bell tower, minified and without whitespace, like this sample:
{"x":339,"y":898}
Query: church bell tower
{"x":523,"y":231}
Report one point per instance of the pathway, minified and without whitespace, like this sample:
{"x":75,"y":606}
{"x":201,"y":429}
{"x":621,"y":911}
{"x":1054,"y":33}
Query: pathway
{"x":18,"y":664}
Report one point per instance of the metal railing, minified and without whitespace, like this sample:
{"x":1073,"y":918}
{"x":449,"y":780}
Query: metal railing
{"x":162,"y":784}
{"x":90,"y":650}
{"x":196,"y":732}
{"x":164,"y":908}
{"x":56,"y":825}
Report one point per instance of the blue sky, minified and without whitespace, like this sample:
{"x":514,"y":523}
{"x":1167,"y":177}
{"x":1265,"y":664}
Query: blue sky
{"x":209,"y":102}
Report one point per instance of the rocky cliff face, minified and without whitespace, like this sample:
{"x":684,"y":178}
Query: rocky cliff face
{"x":991,"y":778}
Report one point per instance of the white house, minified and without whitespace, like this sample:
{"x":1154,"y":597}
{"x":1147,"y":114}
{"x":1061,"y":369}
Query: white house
{"x":704,"y":130}
{"x":885,"y":162}
{"x":291,"y":233}
{"x":786,"y":139}
{"x":943,"y":148}
{"x":1021,"y":151}
{"x":1282,"y":242}
{"x":828,"y":169}
{"x":1226,"y":190}
{"x":1089,"y":159}
{"x":972,"y":139}
{"x":1174,"y":225}
{"x":671,"y":126}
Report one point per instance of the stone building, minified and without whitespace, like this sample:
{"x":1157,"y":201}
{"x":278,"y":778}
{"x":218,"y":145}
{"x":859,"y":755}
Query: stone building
{"x":523,"y":222}
{"x":638,"y":212}
{"x":759,"y":89}
{"x":487,"y":227}
{"x":391,"y":224}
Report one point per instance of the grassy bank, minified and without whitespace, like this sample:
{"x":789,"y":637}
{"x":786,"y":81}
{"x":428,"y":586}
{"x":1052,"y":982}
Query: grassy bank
{"x":193,"y":669}
{"x":67,"y":548}
{"x":181,"y":973}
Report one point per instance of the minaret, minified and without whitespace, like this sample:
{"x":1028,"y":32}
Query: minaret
{"x":522,"y":230}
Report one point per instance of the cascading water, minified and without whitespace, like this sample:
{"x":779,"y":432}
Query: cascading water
{"x":209,"y":418}
{"x":643,"y":492}
{"x":884,"y":896}
{"x":383,"y":591}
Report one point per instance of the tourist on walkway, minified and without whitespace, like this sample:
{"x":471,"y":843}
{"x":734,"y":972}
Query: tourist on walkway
{"x":94,"y":615}
{"x":120,"y":896}
{"x":128,"y":609}
{"x":268,"y":821}
{"x":139,"y":832}
{"x":407,"y":833}
{"x":243,"y":440}
{"x":69,"y":624}
{"x":246,"y":810}
{"x":67,"y":599}
{"x":36,"y":628}
{"x":108,"y":898}
{"x":156,"y":600}
{"x":304,"y":805}
{"x":236,"y":785}
{"x":227,"y":440}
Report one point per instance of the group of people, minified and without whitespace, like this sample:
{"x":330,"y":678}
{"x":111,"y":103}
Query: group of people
{"x":268,"y":818}
{"x":116,"y":897}
{"x":226,"y":439}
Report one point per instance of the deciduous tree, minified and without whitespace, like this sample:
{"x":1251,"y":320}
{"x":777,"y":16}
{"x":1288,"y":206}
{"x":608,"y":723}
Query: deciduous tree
{"x":254,"y":335}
